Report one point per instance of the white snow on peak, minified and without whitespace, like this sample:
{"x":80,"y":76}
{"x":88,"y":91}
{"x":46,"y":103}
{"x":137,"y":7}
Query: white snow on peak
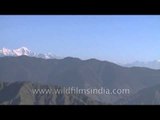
{"x":23,"y":48}
{"x":6,"y":51}
{"x":22,"y":51}
{"x":25,"y":51}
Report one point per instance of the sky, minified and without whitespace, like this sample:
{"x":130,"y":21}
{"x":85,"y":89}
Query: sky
{"x":121,"y":39}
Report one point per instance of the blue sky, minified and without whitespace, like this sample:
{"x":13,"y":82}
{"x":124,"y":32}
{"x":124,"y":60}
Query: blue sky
{"x":115,"y":38}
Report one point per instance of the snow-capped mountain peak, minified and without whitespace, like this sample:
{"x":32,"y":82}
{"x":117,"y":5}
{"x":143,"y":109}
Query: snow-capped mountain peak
{"x":25,"y":51}
{"x":22,"y":51}
{"x":6,"y":51}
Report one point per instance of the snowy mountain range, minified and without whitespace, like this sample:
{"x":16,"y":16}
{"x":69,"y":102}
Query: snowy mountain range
{"x":25,"y":51}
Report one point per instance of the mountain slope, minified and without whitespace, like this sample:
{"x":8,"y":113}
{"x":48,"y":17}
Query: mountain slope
{"x":20,"y":93}
{"x":70,"y":71}
{"x":73,"y":71}
{"x":147,"y":96}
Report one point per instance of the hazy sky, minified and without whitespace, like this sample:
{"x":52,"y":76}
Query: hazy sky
{"x":114,"y":38}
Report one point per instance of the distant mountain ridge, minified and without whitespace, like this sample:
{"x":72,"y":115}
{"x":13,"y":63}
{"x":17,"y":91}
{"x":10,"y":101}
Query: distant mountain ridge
{"x":151,"y":64}
{"x":25,"y":51}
